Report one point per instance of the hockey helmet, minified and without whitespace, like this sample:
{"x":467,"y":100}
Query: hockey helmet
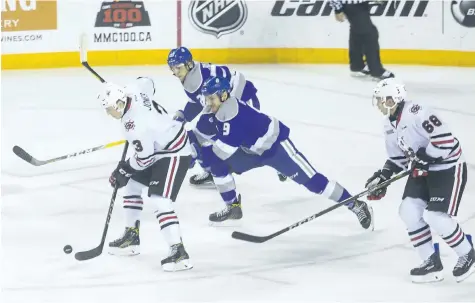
{"x":388,"y":89}
{"x":113,"y":97}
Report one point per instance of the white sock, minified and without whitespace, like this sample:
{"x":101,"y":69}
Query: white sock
{"x":421,"y":239}
{"x":167,"y":219}
{"x":448,"y":228}
{"x":133,"y":206}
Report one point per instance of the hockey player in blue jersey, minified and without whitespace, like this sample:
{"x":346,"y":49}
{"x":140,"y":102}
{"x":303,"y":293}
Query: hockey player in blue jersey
{"x":192,"y":75}
{"x":248,"y":139}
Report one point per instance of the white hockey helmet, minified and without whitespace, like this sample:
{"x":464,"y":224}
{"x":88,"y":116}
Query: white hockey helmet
{"x":113,"y":97}
{"x":388,"y":89}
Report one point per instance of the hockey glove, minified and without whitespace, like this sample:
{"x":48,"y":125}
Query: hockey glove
{"x":377,"y":178}
{"x":121,"y":174}
{"x":179,"y":116}
{"x":420,"y":162}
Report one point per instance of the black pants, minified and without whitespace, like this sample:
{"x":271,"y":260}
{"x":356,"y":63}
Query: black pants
{"x":442,"y":190}
{"x":363,"y":39}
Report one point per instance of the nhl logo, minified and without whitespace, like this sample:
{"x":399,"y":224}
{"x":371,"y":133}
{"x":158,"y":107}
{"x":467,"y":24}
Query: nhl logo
{"x":218,"y":17}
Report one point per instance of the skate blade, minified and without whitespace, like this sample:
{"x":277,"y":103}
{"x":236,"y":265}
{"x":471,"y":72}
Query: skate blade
{"x":180,"y":266}
{"x":359,"y":75}
{"x":465,"y":275}
{"x":125,"y":252}
{"x":371,"y":226}
{"x":227,"y":223}
{"x":429,"y":278}
{"x":204,"y":186}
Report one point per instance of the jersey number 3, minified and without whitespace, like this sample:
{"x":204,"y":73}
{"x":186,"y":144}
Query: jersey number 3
{"x":428,"y":125}
{"x":138,"y":145}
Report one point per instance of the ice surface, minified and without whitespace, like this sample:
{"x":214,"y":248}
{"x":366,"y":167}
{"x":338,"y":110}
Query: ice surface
{"x":52,"y":112}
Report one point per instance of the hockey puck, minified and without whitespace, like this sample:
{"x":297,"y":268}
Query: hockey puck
{"x":68,"y":249}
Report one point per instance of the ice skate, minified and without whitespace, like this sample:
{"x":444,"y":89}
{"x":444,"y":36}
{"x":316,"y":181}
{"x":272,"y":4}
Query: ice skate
{"x":465,"y":266}
{"x":177,"y":260}
{"x":230,"y":214}
{"x":128,"y":244}
{"x":429,"y":271}
{"x":360,"y":73}
{"x":387,"y":74}
{"x":364,"y":212}
{"x":203,"y":180}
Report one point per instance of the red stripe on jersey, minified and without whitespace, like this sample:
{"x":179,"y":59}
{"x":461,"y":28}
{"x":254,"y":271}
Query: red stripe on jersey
{"x":180,"y":141}
{"x":443,"y":142}
{"x":455,"y":155}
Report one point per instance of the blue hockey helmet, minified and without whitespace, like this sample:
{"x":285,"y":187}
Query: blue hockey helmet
{"x":180,"y":55}
{"x":216,"y":85}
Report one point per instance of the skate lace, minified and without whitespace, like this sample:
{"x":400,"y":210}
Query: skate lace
{"x":173,"y":250}
{"x":461,"y":261}
{"x":358,"y":210}
{"x":202,"y":176}
{"x":425,"y":263}
{"x":223,"y":211}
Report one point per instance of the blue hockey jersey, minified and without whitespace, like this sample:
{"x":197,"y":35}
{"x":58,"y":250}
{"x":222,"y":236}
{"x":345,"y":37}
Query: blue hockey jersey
{"x":241,"y":88}
{"x":241,"y":126}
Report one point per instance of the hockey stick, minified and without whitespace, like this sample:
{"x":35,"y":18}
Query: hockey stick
{"x":95,"y":252}
{"x":20,"y":152}
{"x":256,"y":239}
{"x":83,"y":57}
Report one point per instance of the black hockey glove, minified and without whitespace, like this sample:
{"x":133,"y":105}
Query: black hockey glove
{"x":420,"y":162}
{"x":121,"y":174}
{"x":377,"y":178}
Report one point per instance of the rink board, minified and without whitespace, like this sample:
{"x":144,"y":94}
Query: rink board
{"x":142,"y":32}
{"x":223,"y":56}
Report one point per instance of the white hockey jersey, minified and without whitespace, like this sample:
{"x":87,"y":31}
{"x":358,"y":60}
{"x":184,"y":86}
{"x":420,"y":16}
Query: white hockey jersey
{"x":149,"y":129}
{"x":418,"y":126}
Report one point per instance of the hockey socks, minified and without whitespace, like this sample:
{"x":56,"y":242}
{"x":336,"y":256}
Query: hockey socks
{"x":133,"y":205}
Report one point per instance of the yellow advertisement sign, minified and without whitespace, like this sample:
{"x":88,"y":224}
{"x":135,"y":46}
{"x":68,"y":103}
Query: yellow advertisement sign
{"x":29,"y":15}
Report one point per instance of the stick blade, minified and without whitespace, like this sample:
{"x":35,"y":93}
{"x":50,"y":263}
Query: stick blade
{"x":20,"y":152}
{"x":83,"y":47}
{"x":249,"y":238}
{"x":88,"y":254}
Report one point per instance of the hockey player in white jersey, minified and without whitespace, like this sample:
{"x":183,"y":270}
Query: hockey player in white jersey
{"x":160,"y":163}
{"x":419,"y":140}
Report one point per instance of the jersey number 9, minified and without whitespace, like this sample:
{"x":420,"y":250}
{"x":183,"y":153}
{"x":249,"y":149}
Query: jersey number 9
{"x":226,"y":129}
{"x":428,"y":125}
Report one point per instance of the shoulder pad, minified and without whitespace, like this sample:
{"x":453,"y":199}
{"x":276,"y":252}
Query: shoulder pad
{"x":228,"y":110}
{"x":194,"y":79}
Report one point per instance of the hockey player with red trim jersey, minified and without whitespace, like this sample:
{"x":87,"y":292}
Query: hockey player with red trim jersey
{"x":418,"y":139}
{"x":161,"y":161}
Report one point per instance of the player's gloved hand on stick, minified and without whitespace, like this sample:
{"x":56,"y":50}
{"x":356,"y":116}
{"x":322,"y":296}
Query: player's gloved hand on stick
{"x":121,"y":174}
{"x":420,"y":162}
{"x":377,"y":178}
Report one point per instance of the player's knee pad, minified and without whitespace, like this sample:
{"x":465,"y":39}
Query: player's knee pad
{"x":133,"y":188}
{"x":411,"y":211}
{"x":161,"y":204}
{"x":156,"y":188}
{"x":440,"y":221}
{"x":219,"y":169}
{"x":317,"y":184}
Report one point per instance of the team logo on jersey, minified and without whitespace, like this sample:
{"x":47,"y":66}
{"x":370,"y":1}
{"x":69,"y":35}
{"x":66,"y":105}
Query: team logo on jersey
{"x":464,"y":12}
{"x":218,"y":17}
{"x":415,"y":109}
{"x":129,"y":125}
